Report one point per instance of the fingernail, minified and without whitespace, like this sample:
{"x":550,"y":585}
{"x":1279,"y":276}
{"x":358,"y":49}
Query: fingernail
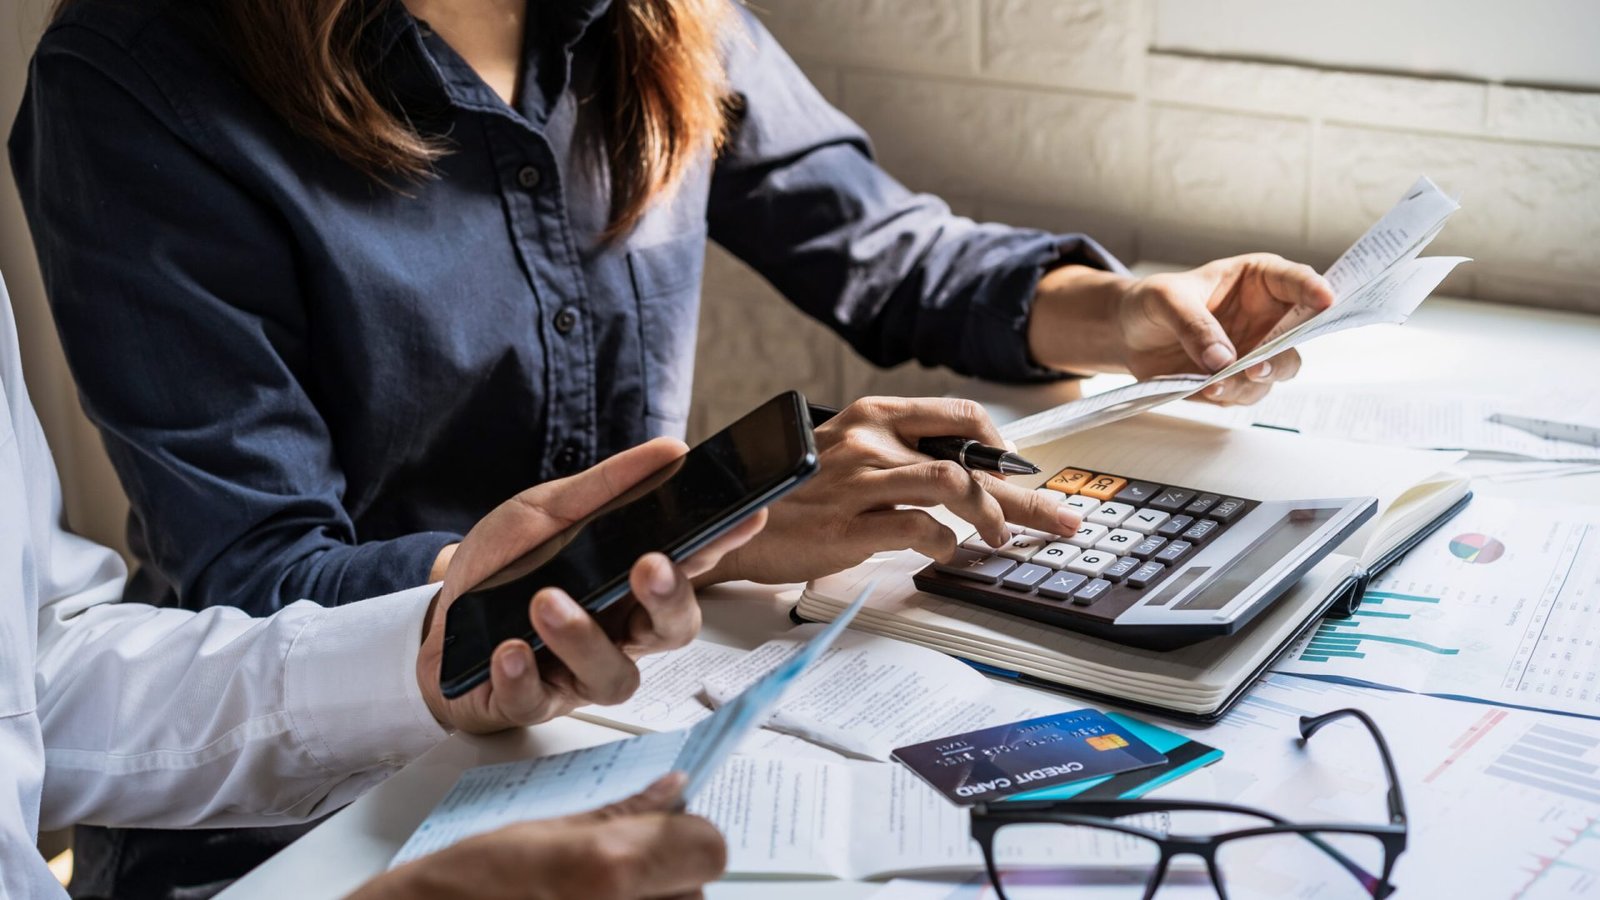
{"x":554,"y":610}
{"x":1069,"y":518}
{"x":513,"y":664}
{"x":1216,"y":356}
{"x":1216,"y":391}
{"x":1263,"y":371}
{"x":663,"y":580}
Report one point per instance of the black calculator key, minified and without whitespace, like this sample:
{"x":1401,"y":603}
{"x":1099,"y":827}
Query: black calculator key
{"x":1090,"y":592}
{"x":1228,"y":510}
{"x":1201,"y":503}
{"x":1148,"y":547}
{"x":1120,"y":569}
{"x":977,"y":566}
{"x":1025,"y":576}
{"x":1173,"y":551}
{"x":1171,"y":500}
{"x":1137,"y":492}
{"x":1145,"y":574}
{"x":1175,"y":526}
{"x":1060,"y":585}
{"x":1201,"y":530}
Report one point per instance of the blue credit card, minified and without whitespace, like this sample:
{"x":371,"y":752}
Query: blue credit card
{"x":991,"y":763}
{"x":1184,"y":755}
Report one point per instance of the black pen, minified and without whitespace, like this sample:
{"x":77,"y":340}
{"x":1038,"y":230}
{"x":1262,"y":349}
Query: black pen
{"x":969,"y":453}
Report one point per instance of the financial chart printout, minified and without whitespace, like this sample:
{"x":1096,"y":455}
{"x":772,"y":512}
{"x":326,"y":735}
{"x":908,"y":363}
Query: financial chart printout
{"x":1502,"y":605}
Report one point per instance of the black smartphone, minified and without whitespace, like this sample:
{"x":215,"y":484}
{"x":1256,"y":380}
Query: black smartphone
{"x":676,"y":511}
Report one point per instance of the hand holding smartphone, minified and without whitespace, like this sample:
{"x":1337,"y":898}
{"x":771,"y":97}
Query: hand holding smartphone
{"x":677,"y":511}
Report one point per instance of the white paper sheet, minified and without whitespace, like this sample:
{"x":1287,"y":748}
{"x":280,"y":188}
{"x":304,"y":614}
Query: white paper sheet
{"x":871,"y":694}
{"x":1410,"y":418}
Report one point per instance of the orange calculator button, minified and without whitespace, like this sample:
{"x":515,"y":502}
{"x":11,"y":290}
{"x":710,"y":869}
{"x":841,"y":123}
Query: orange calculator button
{"x":1102,"y":487}
{"x":1069,"y":481}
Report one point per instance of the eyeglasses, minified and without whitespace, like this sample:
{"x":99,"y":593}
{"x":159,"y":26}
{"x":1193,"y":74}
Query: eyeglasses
{"x":1032,"y":845}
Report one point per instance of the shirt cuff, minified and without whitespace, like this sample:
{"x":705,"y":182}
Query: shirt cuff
{"x":350,"y":684}
{"x":1005,"y":339}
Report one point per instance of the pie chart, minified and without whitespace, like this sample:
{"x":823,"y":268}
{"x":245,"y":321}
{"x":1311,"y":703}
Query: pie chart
{"x":1476,"y":548}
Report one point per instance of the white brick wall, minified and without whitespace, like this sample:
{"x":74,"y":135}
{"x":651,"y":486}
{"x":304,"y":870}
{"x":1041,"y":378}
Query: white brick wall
{"x":1056,"y":114}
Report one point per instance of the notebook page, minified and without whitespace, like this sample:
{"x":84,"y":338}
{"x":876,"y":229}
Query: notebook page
{"x":1193,"y":678}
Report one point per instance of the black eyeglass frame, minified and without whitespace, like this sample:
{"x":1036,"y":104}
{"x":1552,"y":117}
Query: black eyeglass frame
{"x":989,"y":818}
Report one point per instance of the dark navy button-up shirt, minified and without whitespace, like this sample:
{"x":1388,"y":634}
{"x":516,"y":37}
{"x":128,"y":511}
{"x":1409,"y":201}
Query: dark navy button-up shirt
{"x":309,"y":384}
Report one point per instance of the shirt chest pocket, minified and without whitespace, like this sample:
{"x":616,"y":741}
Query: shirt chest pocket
{"x":17,"y":589}
{"x":666,"y":286}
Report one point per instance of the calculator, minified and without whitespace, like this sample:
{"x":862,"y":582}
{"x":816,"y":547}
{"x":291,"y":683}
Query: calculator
{"x":1153,"y":565}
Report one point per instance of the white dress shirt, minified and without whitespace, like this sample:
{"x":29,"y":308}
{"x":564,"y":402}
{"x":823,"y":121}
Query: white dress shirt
{"x":117,"y":714}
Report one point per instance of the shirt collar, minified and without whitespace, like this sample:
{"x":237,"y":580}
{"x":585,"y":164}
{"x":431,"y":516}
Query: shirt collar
{"x":417,"y":66}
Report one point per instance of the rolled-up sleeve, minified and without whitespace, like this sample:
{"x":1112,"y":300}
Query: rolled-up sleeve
{"x":797,"y":196}
{"x":162,"y":271}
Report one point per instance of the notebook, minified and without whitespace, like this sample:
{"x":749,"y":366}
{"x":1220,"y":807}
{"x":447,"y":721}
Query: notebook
{"x":1416,"y":489}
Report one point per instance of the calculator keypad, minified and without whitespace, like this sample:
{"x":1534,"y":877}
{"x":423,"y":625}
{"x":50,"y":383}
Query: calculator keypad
{"x":1134,"y":535}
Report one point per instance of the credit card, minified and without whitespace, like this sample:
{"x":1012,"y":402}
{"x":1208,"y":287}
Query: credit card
{"x":990,"y":763}
{"x":1184,"y":755}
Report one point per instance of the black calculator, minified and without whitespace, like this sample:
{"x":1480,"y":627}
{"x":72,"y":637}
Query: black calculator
{"x":1154,"y":565}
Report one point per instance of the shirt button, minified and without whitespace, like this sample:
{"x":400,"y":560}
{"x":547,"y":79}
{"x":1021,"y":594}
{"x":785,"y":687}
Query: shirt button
{"x":528,"y":177}
{"x":566,"y":320}
{"x":567,"y":459}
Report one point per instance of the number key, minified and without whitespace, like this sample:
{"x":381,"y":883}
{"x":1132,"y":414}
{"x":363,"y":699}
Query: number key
{"x":1110,"y":514}
{"x":1055,"y":555}
{"x":1022,"y":547}
{"x":1145,"y":521}
{"x":1119,"y":541}
{"x":1087,"y":535}
{"x":1091,"y":563}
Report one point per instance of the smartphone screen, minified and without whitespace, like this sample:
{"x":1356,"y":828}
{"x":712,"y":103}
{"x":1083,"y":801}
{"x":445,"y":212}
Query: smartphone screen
{"x":675,"y":511}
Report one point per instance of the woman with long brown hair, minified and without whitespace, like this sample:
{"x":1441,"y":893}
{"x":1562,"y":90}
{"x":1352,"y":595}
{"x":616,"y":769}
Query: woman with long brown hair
{"x":337,"y":276}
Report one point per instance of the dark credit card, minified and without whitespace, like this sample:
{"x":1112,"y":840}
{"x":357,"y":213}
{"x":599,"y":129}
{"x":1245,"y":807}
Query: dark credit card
{"x":991,"y":763}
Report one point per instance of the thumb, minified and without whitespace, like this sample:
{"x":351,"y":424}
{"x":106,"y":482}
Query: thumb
{"x":663,"y":795}
{"x":1198,"y":331}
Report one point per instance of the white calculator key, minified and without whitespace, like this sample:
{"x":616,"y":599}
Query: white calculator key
{"x":1109,"y":514}
{"x":1053,"y":495}
{"x":1087,"y":534}
{"x":976,"y":544}
{"x":1042,"y":534}
{"x":1083,"y":504}
{"x":1145,"y":521}
{"x":1119,"y":541}
{"x":1022,"y":547}
{"x":1055,"y":555}
{"x":1092,"y":562}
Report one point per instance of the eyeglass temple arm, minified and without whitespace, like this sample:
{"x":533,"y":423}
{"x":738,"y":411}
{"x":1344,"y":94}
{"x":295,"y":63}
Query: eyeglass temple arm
{"x":1310,"y":725}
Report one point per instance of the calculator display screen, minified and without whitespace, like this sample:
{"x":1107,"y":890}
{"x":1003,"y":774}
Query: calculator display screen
{"x":1268,"y":550}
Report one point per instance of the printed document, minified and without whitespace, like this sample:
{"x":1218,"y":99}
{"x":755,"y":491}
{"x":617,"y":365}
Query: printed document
{"x":1501,"y":605}
{"x":1378,"y":280}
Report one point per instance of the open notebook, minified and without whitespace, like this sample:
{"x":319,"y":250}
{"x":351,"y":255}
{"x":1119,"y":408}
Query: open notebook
{"x":1416,"y":491}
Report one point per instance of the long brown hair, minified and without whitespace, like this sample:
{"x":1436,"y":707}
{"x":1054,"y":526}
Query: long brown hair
{"x":662,"y":96}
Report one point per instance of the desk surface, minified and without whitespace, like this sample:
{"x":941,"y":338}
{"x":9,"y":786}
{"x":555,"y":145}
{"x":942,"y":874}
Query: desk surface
{"x":1454,"y":345}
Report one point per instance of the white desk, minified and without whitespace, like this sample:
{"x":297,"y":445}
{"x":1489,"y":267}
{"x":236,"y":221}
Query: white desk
{"x":1448,"y":344}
